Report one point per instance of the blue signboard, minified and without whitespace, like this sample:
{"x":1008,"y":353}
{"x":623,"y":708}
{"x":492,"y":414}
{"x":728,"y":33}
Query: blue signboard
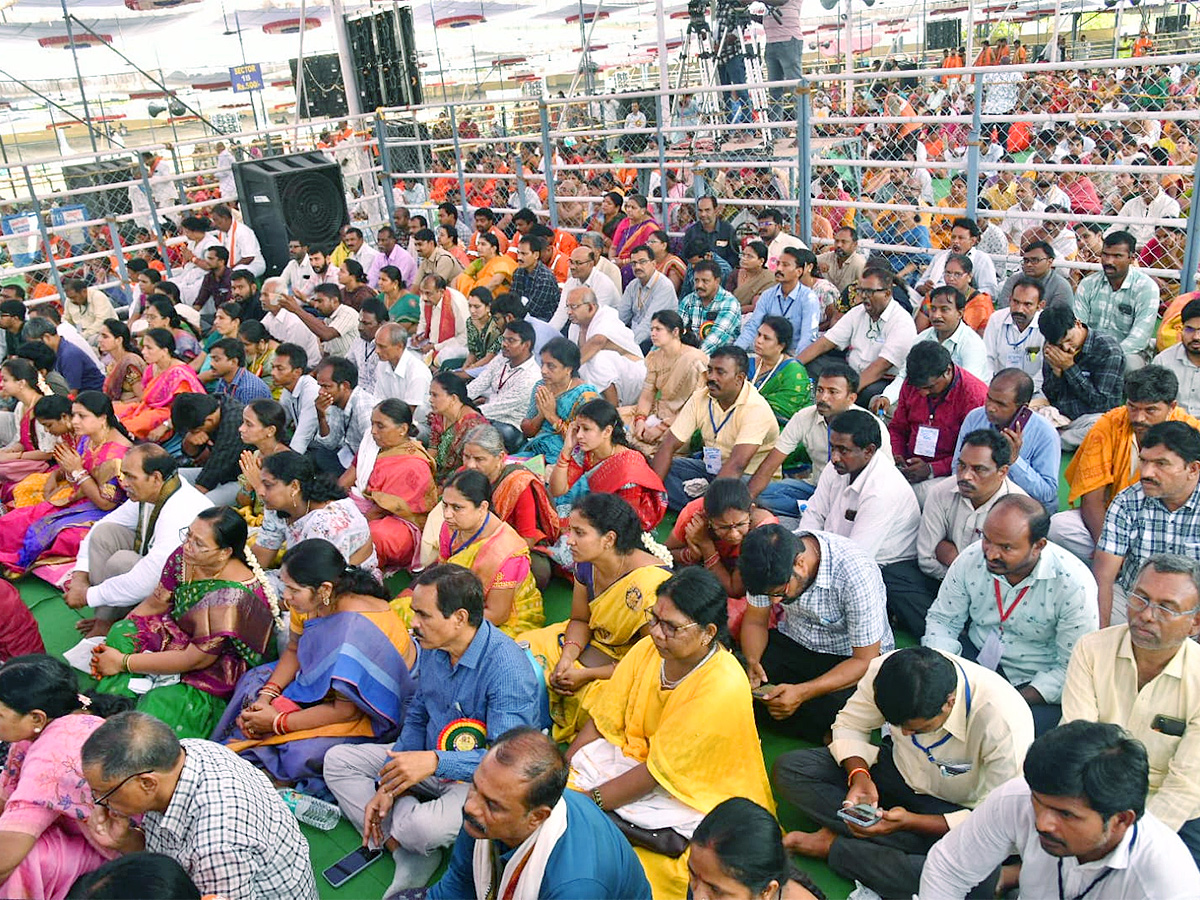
{"x":246,"y":78}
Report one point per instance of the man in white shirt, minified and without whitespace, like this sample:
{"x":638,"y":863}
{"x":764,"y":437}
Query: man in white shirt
{"x":401,"y":373}
{"x":363,"y":349}
{"x":952,"y":520}
{"x":603,"y":264}
{"x":1019,"y":603}
{"x":835,"y":392}
{"x":239,"y":239}
{"x":122,"y":556}
{"x":343,"y":414}
{"x":298,"y":275}
{"x":1151,"y":202}
{"x":582,"y":266}
{"x":298,"y":393}
{"x":86,"y":308}
{"x":390,"y":254}
{"x":648,"y":293}
{"x":771,"y":233}
{"x":1184,"y":359}
{"x":508,"y":380}
{"x":1078,"y":821}
{"x":358,"y":249}
{"x":283,"y":324}
{"x":225,"y":180}
{"x":946,"y":305}
{"x":1012,"y":338}
{"x":933,"y":703}
{"x":964,"y":239}
{"x":876,"y":335}
{"x":610,"y":356}
{"x":337,"y":325}
{"x":1021,"y":216}
{"x":861,"y":494}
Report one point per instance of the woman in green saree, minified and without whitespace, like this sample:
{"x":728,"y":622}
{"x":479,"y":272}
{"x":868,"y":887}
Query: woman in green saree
{"x":781,"y":379}
{"x":211,"y":618}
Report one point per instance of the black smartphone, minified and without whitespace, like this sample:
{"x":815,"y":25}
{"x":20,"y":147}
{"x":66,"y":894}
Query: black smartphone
{"x":350,"y":865}
{"x":1168,"y":725}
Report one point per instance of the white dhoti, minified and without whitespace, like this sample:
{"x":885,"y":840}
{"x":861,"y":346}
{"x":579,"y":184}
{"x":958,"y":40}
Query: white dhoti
{"x":608,"y":367}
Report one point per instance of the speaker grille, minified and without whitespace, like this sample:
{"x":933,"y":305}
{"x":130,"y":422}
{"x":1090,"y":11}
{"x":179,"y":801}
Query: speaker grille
{"x":313,"y":207}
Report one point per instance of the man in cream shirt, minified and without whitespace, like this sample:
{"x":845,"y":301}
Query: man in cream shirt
{"x":957,"y":731}
{"x":122,"y":556}
{"x":1145,"y":677}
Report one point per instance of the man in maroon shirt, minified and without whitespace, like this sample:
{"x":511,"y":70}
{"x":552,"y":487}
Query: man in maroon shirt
{"x":935,"y":398}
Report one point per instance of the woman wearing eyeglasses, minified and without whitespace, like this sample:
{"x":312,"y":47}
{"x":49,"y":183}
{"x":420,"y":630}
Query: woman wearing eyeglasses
{"x":709,"y":532}
{"x":45,"y":841}
{"x":672,"y":733}
{"x":210,"y":619}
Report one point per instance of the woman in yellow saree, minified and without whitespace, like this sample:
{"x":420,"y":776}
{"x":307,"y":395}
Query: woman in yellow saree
{"x":477,"y":539}
{"x":672,"y":732}
{"x":493,"y":270}
{"x":615,"y":581}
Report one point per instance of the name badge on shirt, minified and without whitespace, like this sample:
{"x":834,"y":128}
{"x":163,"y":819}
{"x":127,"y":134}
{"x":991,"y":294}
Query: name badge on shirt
{"x":1016,"y":359}
{"x":927,"y":440}
{"x":712,"y":460}
{"x":991,"y":652}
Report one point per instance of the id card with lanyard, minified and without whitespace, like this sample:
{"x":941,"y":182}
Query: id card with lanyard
{"x":1062,"y":895}
{"x":712,"y":455}
{"x":948,"y":769}
{"x":993,"y":647}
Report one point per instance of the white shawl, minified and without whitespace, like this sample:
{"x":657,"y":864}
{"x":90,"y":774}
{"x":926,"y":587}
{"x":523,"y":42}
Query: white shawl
{"x":538,"y":847}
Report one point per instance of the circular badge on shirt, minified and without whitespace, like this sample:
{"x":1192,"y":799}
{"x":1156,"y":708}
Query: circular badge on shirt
{"x":462,"y":735}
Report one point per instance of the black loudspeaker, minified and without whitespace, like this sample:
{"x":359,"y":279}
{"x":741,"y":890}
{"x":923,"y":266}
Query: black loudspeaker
{"x":384,"y":51}
{"x":299,"y":196}
{"x":945,"y":34}
{"x":324,"y":89}
{"x":1171,"y":24}
{"x":113,"y":202}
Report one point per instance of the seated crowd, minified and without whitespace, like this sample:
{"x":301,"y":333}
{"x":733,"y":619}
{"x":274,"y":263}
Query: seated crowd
{"x":308,"y":525}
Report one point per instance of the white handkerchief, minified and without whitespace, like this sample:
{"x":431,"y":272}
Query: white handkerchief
{"x":80,"y":656}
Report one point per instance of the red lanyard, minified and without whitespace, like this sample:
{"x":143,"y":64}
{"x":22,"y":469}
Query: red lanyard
{"x":1005,"y":613}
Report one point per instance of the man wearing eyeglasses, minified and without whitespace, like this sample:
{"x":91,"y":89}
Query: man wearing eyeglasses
{"x":1160,"y":513}
{"x":1145,"y":677}
{"x":957,"y":730}
{"x":1184,"y":358}
{"x":1037,"y":263}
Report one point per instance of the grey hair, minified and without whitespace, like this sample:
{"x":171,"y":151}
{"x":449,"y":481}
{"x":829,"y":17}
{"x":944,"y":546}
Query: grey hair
{"x":586,"y":295}
{"x":1174,"y":564}
{"x":393,"y":334}
{"x":594,"y":239}
{"x":129,"y":743}
{"x":36,"y":328}
{"x":274,"y":286}
{"x":488,"y":439}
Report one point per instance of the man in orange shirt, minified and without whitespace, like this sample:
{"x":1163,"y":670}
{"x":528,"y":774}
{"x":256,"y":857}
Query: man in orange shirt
{"x":1143,"y":46}
{"x":555,"y":258}
{"x":1020,"y":54}
{"x":954,"y":60}
{"x":986,"y":57}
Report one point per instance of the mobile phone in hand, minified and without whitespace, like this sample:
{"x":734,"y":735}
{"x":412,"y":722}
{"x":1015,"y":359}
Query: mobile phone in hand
{"x":1021,"y":418}
{"x":864,"y":815}
{"x":763,"y":691}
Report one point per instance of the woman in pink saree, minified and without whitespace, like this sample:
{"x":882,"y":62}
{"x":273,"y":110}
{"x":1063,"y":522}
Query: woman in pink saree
{"x":635,"y":229}
{"x":45,"y":839}
{"x":165,"y":378}
{"x":84,"y":488}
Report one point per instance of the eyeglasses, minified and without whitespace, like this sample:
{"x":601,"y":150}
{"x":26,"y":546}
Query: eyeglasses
{"x":875,"y":292}
{"x":727,"y":528}
{"x":186,"y":537}
{"x":1033,"y":260}
{"x":669,"y":629}
{"x":1136,"y":603}
{"x":102,"y":800}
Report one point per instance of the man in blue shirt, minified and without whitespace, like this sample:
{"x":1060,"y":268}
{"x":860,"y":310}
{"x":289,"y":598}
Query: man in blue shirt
{"x":555,"y":843}
{"x":228,"y":359}
{"x":475,"y":685}
{"x":787,"y":298}
{"x":1036,"y":450}
{"x":72,"y":363}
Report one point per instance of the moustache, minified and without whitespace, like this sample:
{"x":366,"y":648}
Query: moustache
{"x":1049,"y":839}
{"x":468,"y":819}
{"x":965,"y":487}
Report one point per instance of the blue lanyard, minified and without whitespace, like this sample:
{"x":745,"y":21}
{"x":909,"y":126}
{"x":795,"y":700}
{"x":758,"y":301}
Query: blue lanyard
{"x":469,"y":541}
{"x":786,"y":311}
{"x":928,"y":751}
{"x":713,"y":421}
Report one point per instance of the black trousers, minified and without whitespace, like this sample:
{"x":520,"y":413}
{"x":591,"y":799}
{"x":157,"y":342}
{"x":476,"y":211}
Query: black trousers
{"x":910,"y":593}
{"x":890,"y":864}
{"x":787,"y":662}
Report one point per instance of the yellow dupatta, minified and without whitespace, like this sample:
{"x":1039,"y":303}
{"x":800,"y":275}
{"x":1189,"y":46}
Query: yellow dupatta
{"x":487,"y":558}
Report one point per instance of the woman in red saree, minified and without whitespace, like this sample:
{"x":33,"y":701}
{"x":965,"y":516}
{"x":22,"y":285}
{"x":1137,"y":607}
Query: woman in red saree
{"x":597,"y":458}
{"x":392,"y":484}
{"x":124,"y":378}
{"x":50,"y":532}
{"x":453,"y":415}
{"x":30,"y":452}
{"x":518,"y":496}
{"x":165,"y":378}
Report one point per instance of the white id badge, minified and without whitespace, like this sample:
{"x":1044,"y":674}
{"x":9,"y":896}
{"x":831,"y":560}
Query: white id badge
{"x":712,"y":460}
{"x":927,"y":439}
{"x":992,"y":650}
{"x":1015,"y":359}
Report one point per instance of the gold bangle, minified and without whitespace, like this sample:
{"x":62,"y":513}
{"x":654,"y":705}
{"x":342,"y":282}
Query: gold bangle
{"x":125,"y":663}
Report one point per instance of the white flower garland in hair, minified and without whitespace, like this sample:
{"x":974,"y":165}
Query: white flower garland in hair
{"x":43,"y":386}
{"x":268,"y":590}
{"x":654,"y":548}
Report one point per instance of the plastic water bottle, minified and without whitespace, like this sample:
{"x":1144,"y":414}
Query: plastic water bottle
{"x":310,"y":810}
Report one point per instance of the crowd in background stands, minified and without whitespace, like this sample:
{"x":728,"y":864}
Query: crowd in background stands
{"x":221,"y":470}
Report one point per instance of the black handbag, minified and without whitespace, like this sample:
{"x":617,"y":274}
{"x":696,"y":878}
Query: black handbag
{"x":666,"y":841}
